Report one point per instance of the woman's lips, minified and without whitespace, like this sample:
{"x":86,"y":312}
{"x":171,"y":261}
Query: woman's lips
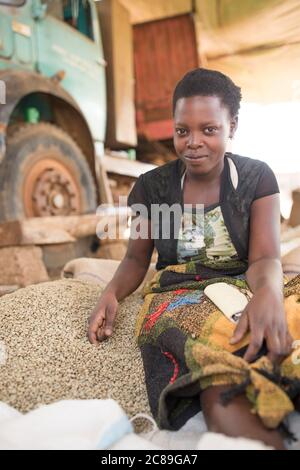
{"x":195,"y":158}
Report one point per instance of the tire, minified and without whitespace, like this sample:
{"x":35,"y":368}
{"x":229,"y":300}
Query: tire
{"x":44,"y":173}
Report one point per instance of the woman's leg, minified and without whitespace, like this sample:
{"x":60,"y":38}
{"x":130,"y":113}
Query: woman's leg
{"x":236,"y":419}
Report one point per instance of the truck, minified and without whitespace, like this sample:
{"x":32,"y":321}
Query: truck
{"x":53,"y":107}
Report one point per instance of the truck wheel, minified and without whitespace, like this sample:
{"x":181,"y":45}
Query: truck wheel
{"x":44,"y":173}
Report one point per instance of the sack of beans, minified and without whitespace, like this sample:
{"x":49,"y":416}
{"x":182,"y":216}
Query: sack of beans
{"x":45,"y":355}
{"x":99,"y":271}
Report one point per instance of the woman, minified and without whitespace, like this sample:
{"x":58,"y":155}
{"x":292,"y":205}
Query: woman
{"x":194,"y":357}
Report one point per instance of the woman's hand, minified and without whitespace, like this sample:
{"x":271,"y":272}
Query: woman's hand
{"x":264,"y":316}
{"x":102,"y":319}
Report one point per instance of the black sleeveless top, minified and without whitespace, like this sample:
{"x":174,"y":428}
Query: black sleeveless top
{"x":243,"y":180}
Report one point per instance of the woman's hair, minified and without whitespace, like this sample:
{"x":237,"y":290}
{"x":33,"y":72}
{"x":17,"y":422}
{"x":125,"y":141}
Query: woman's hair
{"x":205,"y":82}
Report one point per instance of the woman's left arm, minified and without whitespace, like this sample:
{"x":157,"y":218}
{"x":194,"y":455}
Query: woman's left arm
{"x":264,"y":315}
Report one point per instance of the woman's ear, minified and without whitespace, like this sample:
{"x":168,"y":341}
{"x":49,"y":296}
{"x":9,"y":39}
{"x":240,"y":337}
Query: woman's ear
{"x":233,"y":126}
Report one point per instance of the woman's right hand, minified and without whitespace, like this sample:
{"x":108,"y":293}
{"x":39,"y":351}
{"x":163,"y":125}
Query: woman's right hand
{"x":101,"y":321}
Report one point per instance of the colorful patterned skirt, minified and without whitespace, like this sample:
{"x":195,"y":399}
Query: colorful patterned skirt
{"x":184,"y":342}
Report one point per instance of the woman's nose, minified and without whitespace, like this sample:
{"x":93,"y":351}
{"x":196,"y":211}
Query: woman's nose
{"x":194,"y":142}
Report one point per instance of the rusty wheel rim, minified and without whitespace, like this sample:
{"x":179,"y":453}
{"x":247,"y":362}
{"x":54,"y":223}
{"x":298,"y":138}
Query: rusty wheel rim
{"x":50,"y":189}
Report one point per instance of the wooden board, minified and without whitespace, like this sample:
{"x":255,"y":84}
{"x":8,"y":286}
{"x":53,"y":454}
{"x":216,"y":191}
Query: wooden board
{"x":116,"y":32}
{"x":122,"y":166}
{"x":53,"y":230}
{"x":164,"y":51}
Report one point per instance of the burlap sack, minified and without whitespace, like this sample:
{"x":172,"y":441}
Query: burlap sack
{"x":99,"y":271}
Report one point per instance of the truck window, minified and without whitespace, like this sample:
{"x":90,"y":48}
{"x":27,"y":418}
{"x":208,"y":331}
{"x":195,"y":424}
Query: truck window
{"x":12,"y":3}
{"x":77,"y":13}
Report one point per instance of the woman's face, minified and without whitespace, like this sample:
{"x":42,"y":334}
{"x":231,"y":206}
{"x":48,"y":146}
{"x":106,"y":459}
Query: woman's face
{"x":202,"y":127}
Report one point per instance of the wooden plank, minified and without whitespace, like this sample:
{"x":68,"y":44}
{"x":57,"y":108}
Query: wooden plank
{"x":116,"y":32}
{"x":53,"y":230}
{"x":44,"y":235}
{"x":164,"y":51}
{"x":106,"y":196}
{"x":142,"y":11}
{"x":122,"y":166}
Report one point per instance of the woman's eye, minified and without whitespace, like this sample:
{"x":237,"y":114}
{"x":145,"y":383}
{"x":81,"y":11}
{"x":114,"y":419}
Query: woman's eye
{"x":180,"y":131}
{"x":210,"y":130}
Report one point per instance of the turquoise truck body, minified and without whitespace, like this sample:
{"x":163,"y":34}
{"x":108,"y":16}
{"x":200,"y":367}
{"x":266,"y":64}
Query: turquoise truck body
{"x":32,"y":39}
{"x":53,"y":72}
